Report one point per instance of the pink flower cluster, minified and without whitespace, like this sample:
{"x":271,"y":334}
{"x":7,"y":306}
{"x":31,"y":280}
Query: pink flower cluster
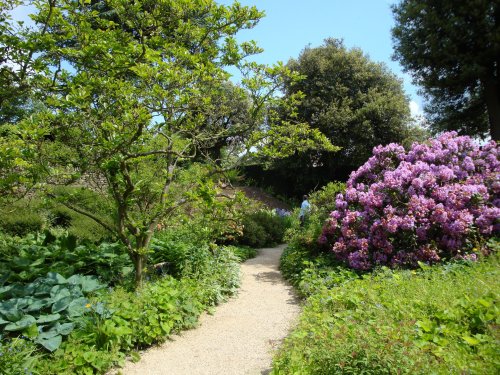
{"x":422,"y":205}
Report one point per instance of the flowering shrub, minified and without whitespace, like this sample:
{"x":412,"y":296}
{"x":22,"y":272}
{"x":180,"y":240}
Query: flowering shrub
{"x":435,"y":201}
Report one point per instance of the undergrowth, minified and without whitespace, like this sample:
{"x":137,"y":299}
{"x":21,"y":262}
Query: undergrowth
{"x":436,"y":320}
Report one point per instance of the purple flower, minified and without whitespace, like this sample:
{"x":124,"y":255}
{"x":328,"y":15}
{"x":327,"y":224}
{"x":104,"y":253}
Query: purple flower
{"x":398,"y":202}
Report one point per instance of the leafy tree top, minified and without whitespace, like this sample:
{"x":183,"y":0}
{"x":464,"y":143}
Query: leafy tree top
{"x":451,"y":48}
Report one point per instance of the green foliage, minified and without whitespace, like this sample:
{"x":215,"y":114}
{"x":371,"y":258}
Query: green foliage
{"x":311,"y":272}
{"x":30,"y":215}
{"x":215,"y":267}
{"x":322,"y":203}
{"x":463,"y":90}
{"x":439,"y":320}
{"x":263,"y":228}
{"x":46,"y":309}
{"x":243,"y":252}
{"x":121,"y":322}
{"x":356,"y":103}
{"x":26,"y":259}
{"x":20,"y":221}
{"x":135,"y":94}
{"x":81,"y":226}
{"x":17,"y":356}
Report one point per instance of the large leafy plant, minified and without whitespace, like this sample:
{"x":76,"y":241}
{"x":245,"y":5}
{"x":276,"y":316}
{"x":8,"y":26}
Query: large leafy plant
{"x":439,"y":200}
{"x":24,"y":260}
{"x":46,"y":309}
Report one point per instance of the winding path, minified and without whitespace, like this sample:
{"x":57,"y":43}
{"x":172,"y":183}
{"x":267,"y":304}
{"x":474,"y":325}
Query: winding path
{"x":240,"y":337}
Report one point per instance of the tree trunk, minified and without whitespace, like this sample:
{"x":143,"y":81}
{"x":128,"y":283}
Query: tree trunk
{"x":492,"y":96}
{"x":139,"y":264}
{"x":139,"y":254}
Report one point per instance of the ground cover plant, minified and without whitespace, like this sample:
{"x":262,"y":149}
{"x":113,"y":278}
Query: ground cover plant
{"x":46,"y":309}
{"x":440,"y":200}
{"x":28,"y":258}
{"x":55,"y":323}
{"x":366,"y":314}
{"x":439,"y":320}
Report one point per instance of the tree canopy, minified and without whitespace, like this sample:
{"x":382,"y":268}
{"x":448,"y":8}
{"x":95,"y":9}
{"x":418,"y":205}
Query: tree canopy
{"x":452,"y":49}
{"x":356,"y":103}
{"x":137,"y":93}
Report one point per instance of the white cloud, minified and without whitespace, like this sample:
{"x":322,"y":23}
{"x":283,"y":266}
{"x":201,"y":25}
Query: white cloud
{"x":415,"y":109}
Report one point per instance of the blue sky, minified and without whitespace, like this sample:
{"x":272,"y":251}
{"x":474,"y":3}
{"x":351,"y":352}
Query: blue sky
{"x":291,"y":25}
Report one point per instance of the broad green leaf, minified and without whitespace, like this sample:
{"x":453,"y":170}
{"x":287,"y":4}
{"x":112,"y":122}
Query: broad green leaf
{"x":5,"y":291}
{"x":52,"y":332}
{"x":90,"y":284}
{"x":74,"y":279}
{"x":135,"y":357}
{"x":426,"y":325}
{"x":39,"y":304}
{"x":48,"y":318}
{"x":18,"y":290}
{"x":77,"y":307}
{"x":61,"y":304}
{"x":484,"y":302}
{"x":55,"y":278}
{"x":21,"y":324}
{"x":59,"y":291}
{"x":23,"y":303}
{"x":37,"y":262}
{"x":50,"y":344}
{"x":10,"y":311}
{"x":43,"y":289}
{"x":89,"y":356}
{"x":65,"y":328}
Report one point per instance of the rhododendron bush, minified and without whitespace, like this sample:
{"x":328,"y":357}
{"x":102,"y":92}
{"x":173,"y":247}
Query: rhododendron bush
{"x":437,"y":201}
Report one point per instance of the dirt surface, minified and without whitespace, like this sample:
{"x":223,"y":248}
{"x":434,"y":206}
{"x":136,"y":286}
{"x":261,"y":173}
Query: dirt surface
{"x":242,"y":334}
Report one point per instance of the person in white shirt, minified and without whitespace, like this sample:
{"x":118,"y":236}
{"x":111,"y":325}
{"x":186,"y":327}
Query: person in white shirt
{"x":305,"y":207}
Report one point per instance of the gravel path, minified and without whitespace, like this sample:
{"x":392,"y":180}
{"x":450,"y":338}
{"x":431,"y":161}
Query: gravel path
{"x":240,"y":337}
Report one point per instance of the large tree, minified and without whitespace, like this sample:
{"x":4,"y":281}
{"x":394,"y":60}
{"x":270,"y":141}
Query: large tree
{"x":135,"y":95}
{"x":353,"y":101}
{"x":452,"y":49}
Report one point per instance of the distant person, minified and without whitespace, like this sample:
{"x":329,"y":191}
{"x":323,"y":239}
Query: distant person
{"x":305,"y":207}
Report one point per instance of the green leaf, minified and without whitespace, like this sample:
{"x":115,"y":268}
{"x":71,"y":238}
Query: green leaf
{"x":89,"y":357}
{"x":43,"y":289}
{"x":64,"y":329}
{"x":471,"y":340}
{"x":50,"y":344}
{"x":10,"y":311}
{"x":5,"y":291}
{"x":426,"y":325}
{"x":90,"y":284}
{"x":52,"y":332}
{"x":59,"y":291}
{"x":55,"y":278}
{"x":77,"y":307}
{"x":31,"y":331}
{"x":21,"y":324}
{"x":75,"y":279}
{"x":48,"y":318}
{"x":423,"y":266}
{"x":135,"y":357}
{"x":39,"y":304}
{"x":484,"y":302}
{"x":61,"y":304}
{"x":37,"y":262}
